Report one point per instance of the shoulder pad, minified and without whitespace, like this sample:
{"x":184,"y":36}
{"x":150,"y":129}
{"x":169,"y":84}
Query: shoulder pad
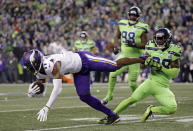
{"x":142,"y":26}
{"x":123,"y":22}
{"x":175,"y":50}
{"x":48,"y":65}
{"x":77,"y":42}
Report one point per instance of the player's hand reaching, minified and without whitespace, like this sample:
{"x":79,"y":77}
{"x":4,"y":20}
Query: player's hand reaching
{"x":130,"y":43}
{"x":33,"y":90}
{"x":116,"y":50}
{"x":42,"y":114}
{"x":152,"y":63}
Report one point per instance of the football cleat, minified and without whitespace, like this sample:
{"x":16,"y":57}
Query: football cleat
{"x":102,"y":121}
{"x":112,"y":119}
{"x":147,"y":113}
{"x":106,"y":100}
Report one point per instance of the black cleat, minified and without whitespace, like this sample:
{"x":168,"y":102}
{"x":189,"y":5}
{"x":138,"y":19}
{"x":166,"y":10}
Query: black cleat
{"x":112,"y":119}
{"x":147,"y":113}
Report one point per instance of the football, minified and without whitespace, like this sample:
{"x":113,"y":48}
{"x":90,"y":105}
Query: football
{"x":40,"y":85}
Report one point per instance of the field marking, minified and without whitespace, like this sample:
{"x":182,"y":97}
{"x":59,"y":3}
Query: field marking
{"x":185,"y":120}
{"x":125,"y":122}
{"x":84,"y":106}
{"x":122,"y":117}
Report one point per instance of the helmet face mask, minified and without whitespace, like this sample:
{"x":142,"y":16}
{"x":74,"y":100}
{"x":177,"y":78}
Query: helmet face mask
{"x":134,"y":15}
{"x":83,"y":37}
{"x":162,"y":38}
{"x":33,"y":61}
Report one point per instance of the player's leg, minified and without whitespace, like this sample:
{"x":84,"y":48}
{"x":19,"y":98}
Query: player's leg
{"x":165,"y":97}
{"x":82,"y":84}
{"x":167,"y":100}
{"x":133,"y":75}
{"x":111,"y":84}
{"x":140,"y":93}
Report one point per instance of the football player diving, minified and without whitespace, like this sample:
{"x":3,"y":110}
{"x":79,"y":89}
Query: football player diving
{"x":80,"y":64}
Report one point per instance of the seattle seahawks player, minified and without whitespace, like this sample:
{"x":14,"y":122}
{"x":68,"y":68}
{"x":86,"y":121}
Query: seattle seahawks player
{"x":133,"y":37}
{"x":166,"y":57}
{"x":79,"y":63}
{"x":84,"y":44}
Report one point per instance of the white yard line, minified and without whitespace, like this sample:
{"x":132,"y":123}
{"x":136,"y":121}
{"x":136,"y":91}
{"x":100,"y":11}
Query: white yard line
{"x":124,"y":122}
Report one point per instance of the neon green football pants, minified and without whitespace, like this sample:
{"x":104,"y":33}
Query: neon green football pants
{"x":160,"y":92}
{"x":133,"y":73}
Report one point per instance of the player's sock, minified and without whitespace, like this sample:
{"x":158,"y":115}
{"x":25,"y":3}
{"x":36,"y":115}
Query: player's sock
{"x":111,"y":85}
{"x":124,"y":104}
{"x":96,"y":104}
{"x":164,"y":110}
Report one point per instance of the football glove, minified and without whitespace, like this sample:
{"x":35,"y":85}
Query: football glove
{"x":33,"y":90}
{"x":148,"y":61}
{"x":130,"y":43}
{"x":116,"y":50}
{"x":153,"y":64}
{"x":42,"y":114}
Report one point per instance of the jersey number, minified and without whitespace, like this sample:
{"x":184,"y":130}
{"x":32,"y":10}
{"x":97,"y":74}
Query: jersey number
{"x":131,"y":36}
{"x":165,"y":62}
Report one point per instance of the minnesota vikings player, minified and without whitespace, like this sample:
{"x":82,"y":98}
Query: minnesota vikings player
{"x":166,"y":57}
{"x":80,"y":64}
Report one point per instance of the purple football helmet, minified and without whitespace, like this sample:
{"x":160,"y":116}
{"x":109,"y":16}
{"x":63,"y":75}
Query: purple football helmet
{"x":32,"y":60}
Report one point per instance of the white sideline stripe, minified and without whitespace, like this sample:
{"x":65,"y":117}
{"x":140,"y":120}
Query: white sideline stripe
{"x":65,"y":127}
{"x":92,"y":125}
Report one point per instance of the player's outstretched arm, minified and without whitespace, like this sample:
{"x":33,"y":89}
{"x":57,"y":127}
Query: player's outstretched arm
{"x":57,"y":83}
{"x":128,"y":61}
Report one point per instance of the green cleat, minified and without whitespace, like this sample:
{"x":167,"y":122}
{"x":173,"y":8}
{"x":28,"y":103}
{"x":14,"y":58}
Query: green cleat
{"x":106,"y":100}
{"x":102,"y":121}
{"x":147,"y":113}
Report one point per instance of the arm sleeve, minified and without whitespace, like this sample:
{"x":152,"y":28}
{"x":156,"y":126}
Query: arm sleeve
{"x":172,"y":72}
{"x":55,"y":92}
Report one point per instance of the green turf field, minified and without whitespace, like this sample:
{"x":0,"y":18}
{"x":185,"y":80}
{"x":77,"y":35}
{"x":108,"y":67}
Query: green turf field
{"x":18,"y":112}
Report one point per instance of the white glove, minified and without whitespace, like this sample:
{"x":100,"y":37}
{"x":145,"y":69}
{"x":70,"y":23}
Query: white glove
{"x":42,"y":114}
{"x":33,"y":91}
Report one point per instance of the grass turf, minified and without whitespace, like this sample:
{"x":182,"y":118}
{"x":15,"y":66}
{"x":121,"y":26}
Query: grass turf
{"x":18,"y":112}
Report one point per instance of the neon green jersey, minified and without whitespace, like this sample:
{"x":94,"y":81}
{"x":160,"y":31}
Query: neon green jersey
{"x":164,"y":58}
{"x":87,"y":46}
{"x":131,"y":32}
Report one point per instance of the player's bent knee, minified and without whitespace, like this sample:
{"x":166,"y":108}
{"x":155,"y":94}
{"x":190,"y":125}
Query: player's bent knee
{"x":113,"y":75}
{"x":171,"y":110}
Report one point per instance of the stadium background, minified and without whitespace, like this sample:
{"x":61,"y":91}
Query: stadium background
{"x":27,"y":24}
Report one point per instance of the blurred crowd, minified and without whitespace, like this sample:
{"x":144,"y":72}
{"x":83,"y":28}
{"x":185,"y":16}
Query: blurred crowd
{"x":40,"y":24}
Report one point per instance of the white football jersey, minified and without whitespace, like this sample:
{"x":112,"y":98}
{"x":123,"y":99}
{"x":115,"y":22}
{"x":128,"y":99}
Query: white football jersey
{"x":70,"y":63}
